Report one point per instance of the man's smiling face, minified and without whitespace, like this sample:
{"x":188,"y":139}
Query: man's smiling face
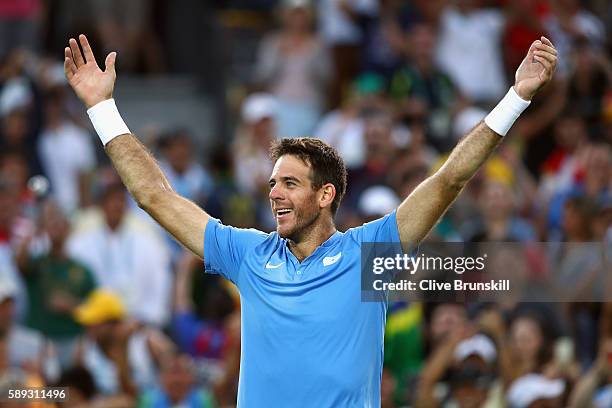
{"x":293,"y":199}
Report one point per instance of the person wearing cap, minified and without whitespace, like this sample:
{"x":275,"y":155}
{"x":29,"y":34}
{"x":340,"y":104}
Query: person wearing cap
{"x":307,"y":337}
{"x":376,"y":201}
{"x":294,"y":66}
{"x":252,"y":166}
{"x":468,"y":363}
{"x":121,"y":355}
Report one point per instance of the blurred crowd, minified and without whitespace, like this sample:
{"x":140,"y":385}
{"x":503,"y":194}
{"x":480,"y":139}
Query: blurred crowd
{"x":95,"y":297}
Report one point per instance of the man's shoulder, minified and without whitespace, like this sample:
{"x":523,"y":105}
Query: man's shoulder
{"x":244,"y":237}
{"x":383,"y":229}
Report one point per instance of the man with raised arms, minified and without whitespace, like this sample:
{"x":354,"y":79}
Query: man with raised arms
{"x":307,"y":339}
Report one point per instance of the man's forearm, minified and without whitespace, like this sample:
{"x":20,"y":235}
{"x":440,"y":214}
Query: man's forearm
{"x":467,"y":157}
{"x":137,"y":168}
{"x":140,"y":173}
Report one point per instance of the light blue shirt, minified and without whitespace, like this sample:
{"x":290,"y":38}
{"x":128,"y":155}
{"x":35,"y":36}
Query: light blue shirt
{"x":307,"y":338}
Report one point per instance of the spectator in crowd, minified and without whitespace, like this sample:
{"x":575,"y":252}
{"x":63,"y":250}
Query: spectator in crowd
{"x":499,"y":219}
{"x":294,"y":66}
{"x":404,"y":351}
{"x":67,"y":154}
{"x":421,"y":91}
{"x":471,"y":359}
{"x":594,"y":389}
{"x":79,"y":385}
{"x":55,"y":283}
{"x":530,"y":344}
{"x":24,"y":349}
{"x":378,"y":138}
{"x":524,"y":25}
{"x":562,"y":166}
{"x":122,"y":356}
{"x":252,"y":165}
{"x":126,"y":257}
{"x":340,"y":31}
{"x":14,"y":168}
{"x":589,"y":82}
{"x":469,"y":51}
{"x":226,"y":202}
{"x":383,"y":37}
{"x":343,"y":128}
{"x":125,"y":27}
{"x":10,"y":224}
{"x":259,"y":115}
{"x":177,"y":386}
{"x":570,"y":22}
{"x":187,"y":177}
{"x":16,"y":135}
{"x":200,"y":334}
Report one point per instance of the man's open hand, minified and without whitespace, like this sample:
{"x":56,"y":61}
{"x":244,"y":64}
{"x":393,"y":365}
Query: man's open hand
{"x":537,"y":68}
{"x":90,"y":83}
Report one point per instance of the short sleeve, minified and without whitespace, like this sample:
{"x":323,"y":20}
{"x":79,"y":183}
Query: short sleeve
{"x":381,"y":230}
{"x":225,"y":248}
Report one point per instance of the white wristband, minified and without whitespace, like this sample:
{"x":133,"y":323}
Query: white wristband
{"x":507,"y":111}
{"x":107,"y":121}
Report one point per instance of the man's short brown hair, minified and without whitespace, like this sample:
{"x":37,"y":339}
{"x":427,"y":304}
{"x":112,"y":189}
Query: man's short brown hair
{"x":326,"y":164}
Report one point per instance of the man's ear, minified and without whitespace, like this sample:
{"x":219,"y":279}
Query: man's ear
{"x":328,"y":193}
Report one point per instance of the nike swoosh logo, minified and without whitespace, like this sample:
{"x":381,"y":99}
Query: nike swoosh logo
{"x":270,"y":266}
{"x":330,"y":260}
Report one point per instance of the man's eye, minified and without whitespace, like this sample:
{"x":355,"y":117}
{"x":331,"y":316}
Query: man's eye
{"x":290,"y":184}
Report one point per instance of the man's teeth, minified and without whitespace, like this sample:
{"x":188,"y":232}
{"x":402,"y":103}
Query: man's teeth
{"x":283,"y":211}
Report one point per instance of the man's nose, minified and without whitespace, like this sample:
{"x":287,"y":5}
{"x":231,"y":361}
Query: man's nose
{"x":276,"y":192}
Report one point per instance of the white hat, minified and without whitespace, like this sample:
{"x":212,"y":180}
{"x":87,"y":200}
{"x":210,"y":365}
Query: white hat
{"x":377,"y":201}
{"x":16,"y":94}
{"x":532,"y":387}
{"x":466,"y":120}
{"x":290,"y":4}
{"x":8,"y":288}
{"x":479,"y":345}
{"x":258,"y":106}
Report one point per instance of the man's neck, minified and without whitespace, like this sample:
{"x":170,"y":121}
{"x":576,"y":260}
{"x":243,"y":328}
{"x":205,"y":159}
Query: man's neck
{"x":311,"y":239}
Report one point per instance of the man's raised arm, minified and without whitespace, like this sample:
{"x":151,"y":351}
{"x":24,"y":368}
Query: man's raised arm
{"x":427,"y":203}
{"x":136,"y":166}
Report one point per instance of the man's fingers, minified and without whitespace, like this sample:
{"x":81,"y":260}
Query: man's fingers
{"x":89,"y":55}
{"x":68,"y":54}
{"x":546,"y":41}
{"x":547,"y":64}
{"x":69,"y":67}
{"x":546,"y":55}
{"x":76,"y":53}
{"x":547,"y":48}
{"x":110,"y":62}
